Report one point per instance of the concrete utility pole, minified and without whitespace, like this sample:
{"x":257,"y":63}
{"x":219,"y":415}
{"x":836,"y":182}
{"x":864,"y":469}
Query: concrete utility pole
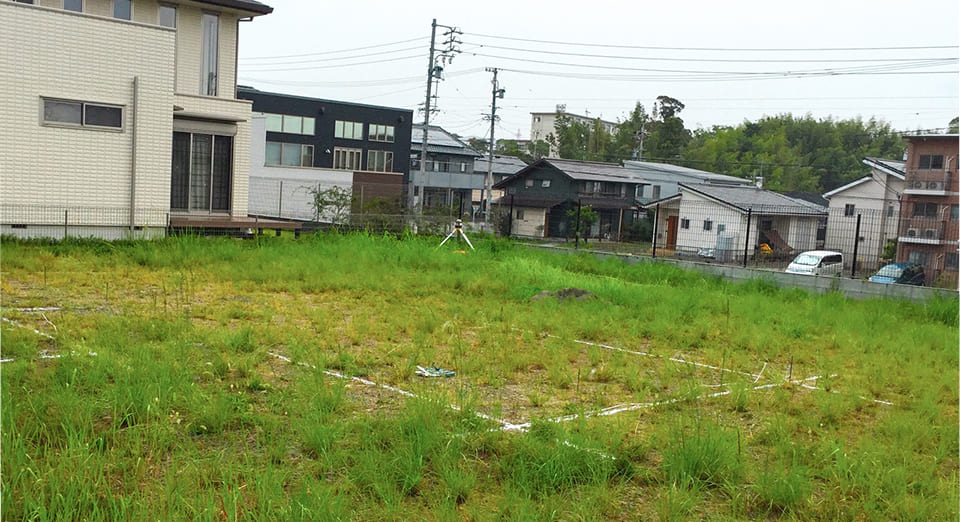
{"x":434,"y":72}
{"x":488,"y":185}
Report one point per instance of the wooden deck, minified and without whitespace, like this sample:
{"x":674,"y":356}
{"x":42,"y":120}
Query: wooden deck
{"x":234,"y":224}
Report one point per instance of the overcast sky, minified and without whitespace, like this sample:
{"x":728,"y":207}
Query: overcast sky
{"x":726,"y":61}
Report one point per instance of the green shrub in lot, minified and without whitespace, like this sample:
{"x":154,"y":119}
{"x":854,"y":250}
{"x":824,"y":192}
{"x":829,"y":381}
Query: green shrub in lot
{"x":183,"y":412}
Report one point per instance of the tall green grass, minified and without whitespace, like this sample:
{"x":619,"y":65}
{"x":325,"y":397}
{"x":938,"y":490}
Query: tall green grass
{"x":185,"y":414}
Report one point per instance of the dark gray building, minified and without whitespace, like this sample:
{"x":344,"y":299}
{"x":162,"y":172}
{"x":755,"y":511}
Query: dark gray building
{"x":448,"y":175}
{"x":542,"y":194}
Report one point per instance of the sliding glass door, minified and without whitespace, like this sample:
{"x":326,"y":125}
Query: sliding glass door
{"x":201,"y":172}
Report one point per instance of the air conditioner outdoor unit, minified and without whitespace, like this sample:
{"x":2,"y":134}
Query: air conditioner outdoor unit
{"x":917,"y":185}
{"x":930,"y":233}
{"x":913,"y":232}
{"x":934,"y":185}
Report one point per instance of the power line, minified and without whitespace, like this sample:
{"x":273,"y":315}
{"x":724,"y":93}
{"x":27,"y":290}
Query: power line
{"x":334,"y":52}
{"x":723,"y":60}
{"x":321,"y":60}
{"x":695,"y":78}
{"x":718,"y":49}
{"x":347,"y":83}
{"x":830,"y":72}
{"x":313,"y":67}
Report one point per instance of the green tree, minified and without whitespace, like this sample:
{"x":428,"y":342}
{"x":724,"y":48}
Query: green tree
{"x":587,"y":218}
{"x":667,"y":136}
{"x":794,"y":153}
{"x":954,"y":126}
{"x":630,"y":134}
{"x":529,"y":152}
{"x":332,"y":203}
{"x":574,"y":139}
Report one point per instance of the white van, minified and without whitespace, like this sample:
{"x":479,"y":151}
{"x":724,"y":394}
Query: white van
{"x":817,"y":262}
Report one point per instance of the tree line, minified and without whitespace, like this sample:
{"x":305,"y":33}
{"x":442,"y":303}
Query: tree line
{"x":790,"y":153}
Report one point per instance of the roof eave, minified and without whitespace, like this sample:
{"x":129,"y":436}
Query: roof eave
{"x":254,"y":8}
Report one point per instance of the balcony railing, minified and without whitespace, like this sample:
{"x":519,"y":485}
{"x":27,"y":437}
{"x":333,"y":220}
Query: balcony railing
{"x":926,"y":181}
{"x":607,"y":195}
{"x":922,"y":230}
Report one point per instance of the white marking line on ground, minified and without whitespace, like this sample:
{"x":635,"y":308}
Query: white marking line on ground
{"x":756,"y":376}
{"x":503,"y":424}
{"x":18,"y":325}
{"x":613,"y":410}
{"x":45,"y":355}
{"x":878,"y":401}
{"x":674,"y":359}
{"x":40,"y":309}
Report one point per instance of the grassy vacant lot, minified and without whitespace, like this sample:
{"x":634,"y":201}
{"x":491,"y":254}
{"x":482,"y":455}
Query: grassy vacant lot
{"x":275,"y":379}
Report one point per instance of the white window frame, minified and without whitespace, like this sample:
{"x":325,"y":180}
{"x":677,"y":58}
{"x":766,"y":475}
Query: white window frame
{"x":379,"y":157}
{"x":209,"y":55}
{"x":381,"y":133}
{"x":176,"y":15}
{"x":348,"y":130}
{"x":347,"y":158}
{"x":83,"y":115}
{"x":305,"y":121}
{"x":303,"y":147}
{"x":113,"y":10}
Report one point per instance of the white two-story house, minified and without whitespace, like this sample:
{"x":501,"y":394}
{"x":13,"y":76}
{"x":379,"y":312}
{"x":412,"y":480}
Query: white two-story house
{"x":121,"y":115}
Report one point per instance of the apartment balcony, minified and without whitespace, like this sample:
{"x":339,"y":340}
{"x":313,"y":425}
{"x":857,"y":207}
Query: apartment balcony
{"x":928,"y":182}
{"x":926,"y":231}
{"x":603,"y":195}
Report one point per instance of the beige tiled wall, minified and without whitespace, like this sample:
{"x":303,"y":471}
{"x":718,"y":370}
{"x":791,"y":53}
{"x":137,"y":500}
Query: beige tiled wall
{"x":92,"y":60}
{"x":95,"y":58}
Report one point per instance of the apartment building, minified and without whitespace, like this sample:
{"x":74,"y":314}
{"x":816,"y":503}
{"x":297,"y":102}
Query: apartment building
{"x":929,"y":222}
{"x":542,"y":124}
{"x":301,"y":144}
{"x":122,"y":115}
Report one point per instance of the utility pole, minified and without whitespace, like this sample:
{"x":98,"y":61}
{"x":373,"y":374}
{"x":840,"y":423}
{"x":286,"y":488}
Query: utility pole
{"x":488,"y":185}
{"x":438,"y":58}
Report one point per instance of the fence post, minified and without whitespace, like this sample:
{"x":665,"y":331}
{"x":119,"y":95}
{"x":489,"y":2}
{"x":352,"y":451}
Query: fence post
{"x":510,"y":219}
{"x":280,"y":204}
{"x":856,"y":245}
{"x":656,"y":223}
{"x":65,"y":213}
{"x":746,"y":242}
{"x":576,"y":230}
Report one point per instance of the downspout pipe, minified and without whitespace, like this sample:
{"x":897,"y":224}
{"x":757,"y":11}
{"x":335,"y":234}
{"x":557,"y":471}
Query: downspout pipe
{"x":133,"y":154}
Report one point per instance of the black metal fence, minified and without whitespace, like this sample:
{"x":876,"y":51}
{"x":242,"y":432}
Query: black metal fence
{"x":771,"y":236}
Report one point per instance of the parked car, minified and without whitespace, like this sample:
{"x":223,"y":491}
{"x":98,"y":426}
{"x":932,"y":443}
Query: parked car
{"x":902,"y":273}
{"x":817,"y":262}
